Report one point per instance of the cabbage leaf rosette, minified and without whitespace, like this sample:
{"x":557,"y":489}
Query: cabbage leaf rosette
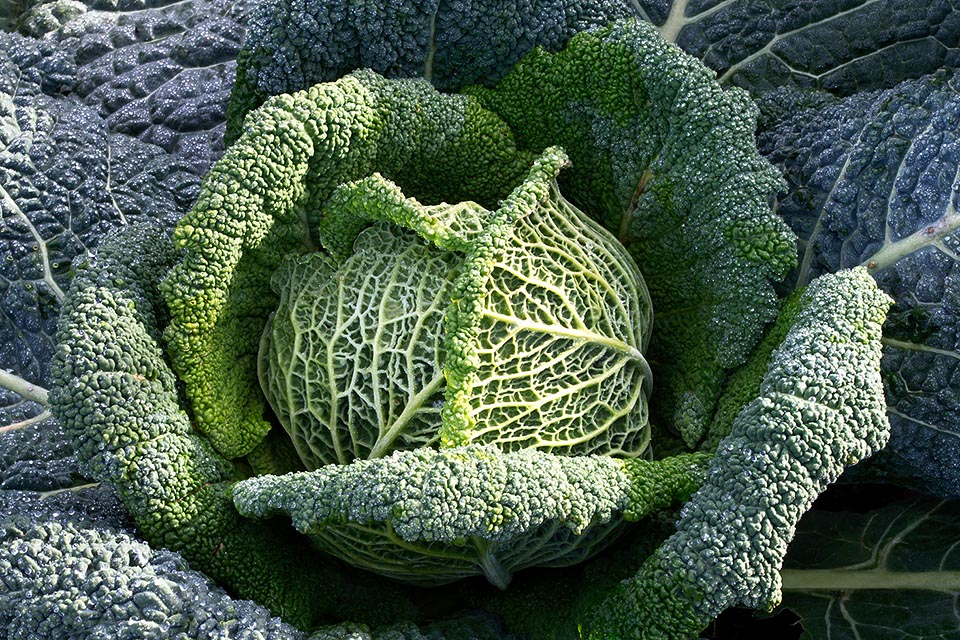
{"x":447,"y":335}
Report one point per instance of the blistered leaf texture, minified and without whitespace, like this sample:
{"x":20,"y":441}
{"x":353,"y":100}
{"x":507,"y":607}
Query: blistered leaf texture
{"x":35,"y":453}
{"x":109,"y":116}
{"x":261,"y":200}
{"x":69,"y":575}
{"x":350,"y":359}
{"x":820,"y":409}
{"x":160,"y":72}
{"x":65,"y":180}
{"x":431,"y":517}
{"x":69,"y":580}
{"x":874,"y":181}
{"x":293,"y":45}
{"x":841,"y":47}
{"x":117,"y":397}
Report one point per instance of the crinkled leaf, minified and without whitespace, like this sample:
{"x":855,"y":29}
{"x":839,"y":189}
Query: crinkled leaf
{"x":889,"y":573}
{"x":874,"y":180}
{"x":65,"y":180}
{"x":819,"y":409}
{"x":118,"y":400}
{"x":72,"y":574}
{"x":666,"y":160}
{"x":35,"y":453}
{"x":160,"y":72}
{"x":433,"y":516}
{"x":530,"y":332}
{"x":292,"y":46}
{"x":842,"y":46}
{"x":71,"y":169}
{"x":839,"y":46}
{"x":13,"y":13}
{"x":295,"y":150}
{"x":76,"y":580}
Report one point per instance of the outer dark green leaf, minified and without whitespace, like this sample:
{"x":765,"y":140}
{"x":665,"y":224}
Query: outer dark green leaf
{"x":65,"y":180}
{"x":71,"y":580}
{"x":293,"y":45}
{"x":842,"y":46}
{"x":888,"y":574}
{"x":118,"y":401}
{"x":819,"y":409}
{"x":75,"y":111}
{"x":874,"y":180}
{"x":160,"y":72}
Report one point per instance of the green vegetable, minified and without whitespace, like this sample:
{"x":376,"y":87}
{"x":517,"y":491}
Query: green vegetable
{"x":88,"y":580}
{"x":430,"y":517}
{"x":117,"y":398}
{"x":520,"y":328}
{"x":109,"y":113}
{"x":527,"y":325}
{"x":469,"y":391}
{"x":256,"y":209}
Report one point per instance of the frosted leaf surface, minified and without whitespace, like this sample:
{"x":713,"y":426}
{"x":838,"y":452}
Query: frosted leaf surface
{"x":874,"y":180}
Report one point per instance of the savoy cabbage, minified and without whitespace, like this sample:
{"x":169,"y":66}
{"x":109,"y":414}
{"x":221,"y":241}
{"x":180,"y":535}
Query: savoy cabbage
{"x":113,"y":112}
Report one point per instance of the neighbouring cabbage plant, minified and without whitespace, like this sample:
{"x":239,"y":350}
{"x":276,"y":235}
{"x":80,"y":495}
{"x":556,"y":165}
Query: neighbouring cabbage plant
{"x":392,"y":317}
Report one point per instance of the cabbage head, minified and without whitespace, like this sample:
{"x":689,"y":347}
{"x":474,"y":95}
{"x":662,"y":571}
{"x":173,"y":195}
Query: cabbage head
{"x":413,"y":324}
{"x":446,"y":325}
{"x":451,"y":326}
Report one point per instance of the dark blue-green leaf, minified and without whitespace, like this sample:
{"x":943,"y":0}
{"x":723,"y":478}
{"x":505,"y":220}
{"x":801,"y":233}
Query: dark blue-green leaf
{"x":874,"y":181}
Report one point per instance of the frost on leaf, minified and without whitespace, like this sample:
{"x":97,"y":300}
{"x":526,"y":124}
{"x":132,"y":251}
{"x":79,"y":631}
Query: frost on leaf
{"x":874,"y":181}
